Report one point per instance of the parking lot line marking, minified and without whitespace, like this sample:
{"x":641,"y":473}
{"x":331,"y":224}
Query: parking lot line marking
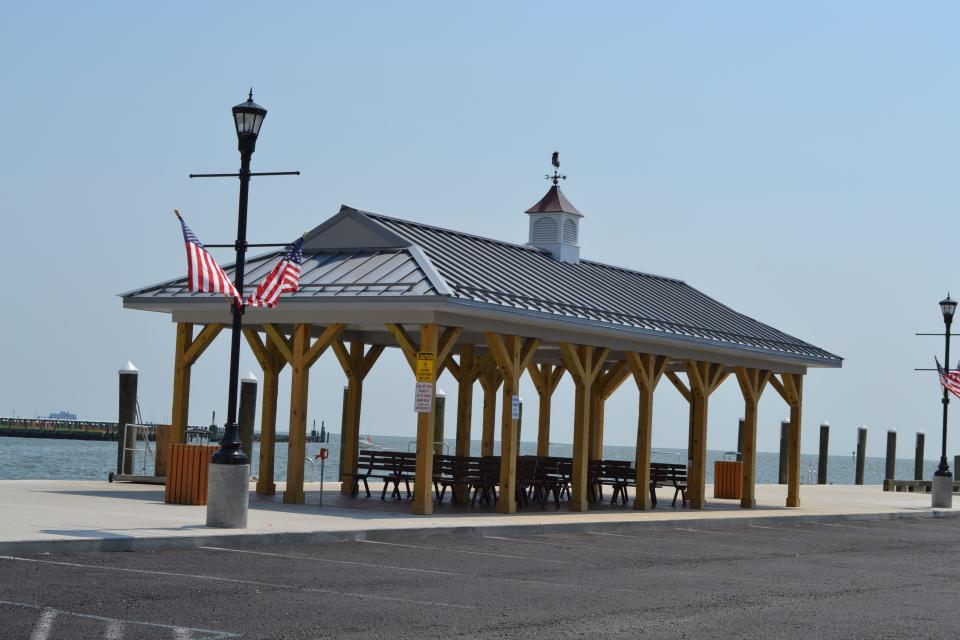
{"x":44,"y":624}
{"x":351,"y":562}
{"x":474,"y":553}
{"x":207,"y":633}
{"x":255,"y":583}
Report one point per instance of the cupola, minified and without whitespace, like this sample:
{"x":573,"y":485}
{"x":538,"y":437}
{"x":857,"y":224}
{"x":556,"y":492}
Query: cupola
{"x":554,"y":222}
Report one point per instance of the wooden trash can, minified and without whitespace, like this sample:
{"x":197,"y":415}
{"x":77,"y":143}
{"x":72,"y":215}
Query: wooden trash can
{"x":187,"y":473}
{"x":726,"y":479}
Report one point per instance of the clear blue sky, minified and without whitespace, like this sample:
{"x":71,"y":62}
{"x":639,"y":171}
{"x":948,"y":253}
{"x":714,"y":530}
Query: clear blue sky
{"x":797,"y":163}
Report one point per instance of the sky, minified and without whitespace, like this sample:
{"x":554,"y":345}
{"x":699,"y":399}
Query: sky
{"x":795,"y":161}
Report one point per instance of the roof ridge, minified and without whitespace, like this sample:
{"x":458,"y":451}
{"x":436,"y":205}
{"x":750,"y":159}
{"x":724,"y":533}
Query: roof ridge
{"x":525,"y":247}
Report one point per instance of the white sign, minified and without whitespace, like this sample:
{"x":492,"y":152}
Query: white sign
{"x":423,"y":401}
{"x":515,"y":409}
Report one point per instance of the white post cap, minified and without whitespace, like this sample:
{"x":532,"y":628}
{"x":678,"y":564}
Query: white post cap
{"x":129,"y":368}
{"x":440,"y":392}
{"x":250,"y":377}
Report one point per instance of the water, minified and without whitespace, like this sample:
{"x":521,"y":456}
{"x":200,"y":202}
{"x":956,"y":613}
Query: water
{"x":37,"y":458}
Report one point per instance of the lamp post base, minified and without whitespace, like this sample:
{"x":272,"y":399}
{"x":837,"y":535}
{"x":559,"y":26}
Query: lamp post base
{"x":942,"y":492}
{"x":228,"y":495}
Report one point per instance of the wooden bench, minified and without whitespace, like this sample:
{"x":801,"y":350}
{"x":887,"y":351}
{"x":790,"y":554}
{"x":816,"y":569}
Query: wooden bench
{"x":393,"y":467}
{"x":617,"y":474}
{"x":664,"y":474}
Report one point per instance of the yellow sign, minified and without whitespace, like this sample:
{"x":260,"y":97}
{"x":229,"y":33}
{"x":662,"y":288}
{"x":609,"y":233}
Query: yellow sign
{"x":425,"y":366}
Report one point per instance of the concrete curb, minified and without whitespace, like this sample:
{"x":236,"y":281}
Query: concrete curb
{"x":29,"y":547}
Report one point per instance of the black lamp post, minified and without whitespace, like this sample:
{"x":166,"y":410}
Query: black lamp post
{"x":947,"y":306}
{"x":247,"y":116}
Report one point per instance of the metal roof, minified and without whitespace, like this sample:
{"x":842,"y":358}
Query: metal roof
{"x":553,"y":201}
{"x":378,"y":272}
{"x":359,"y":254}
{"x":522,"y":276}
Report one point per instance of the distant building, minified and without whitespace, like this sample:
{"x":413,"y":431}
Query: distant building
{"x":62,"y":415}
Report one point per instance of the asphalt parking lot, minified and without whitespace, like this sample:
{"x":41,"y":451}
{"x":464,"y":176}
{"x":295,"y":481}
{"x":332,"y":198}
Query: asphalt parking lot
{"x":890,"y":579}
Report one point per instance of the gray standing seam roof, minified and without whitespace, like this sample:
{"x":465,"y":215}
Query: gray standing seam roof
{"x":443,"y":262}
{"x":521,"y":276}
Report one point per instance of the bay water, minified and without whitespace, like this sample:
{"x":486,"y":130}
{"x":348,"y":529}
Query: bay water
{"x":49,"y":459}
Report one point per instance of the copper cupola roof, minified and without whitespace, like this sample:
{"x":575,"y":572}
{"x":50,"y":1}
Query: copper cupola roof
{"x":554,"y":202}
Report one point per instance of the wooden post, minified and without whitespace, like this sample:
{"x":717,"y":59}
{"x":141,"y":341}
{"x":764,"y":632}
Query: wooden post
{"x":245,"y":414}
{"x":918,"y":457}
{"x":356,"y":364}
{"x":127,"y":414}
{"x":188,"y":349}
{"x":441,"y":347}
{"x":784,"y":448}
{"x":512,"y":355}
{"x":824,"y":453}
{"x":705,"y":378}
{"x":790,"y":388}
{"x":890,"y":468}
{"x":465,"y":382}
{"x":647,"y":370}
{"x":296,"y":445}
{"x":423,"y":485}
{"x":301,"y":355}
{"x":490,"y":381}
{"x":271,"y":363}
{"x":266,"y":486}
{"x":545,"y":378}
{"x":180,"y":413}
{"x":861,"y":454}
{"x":604,"y":386}
{"x":752,"y":383}
{"x":584,"y":364}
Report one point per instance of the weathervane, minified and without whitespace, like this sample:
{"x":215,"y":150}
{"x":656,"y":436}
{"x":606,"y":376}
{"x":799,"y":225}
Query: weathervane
{"x":555,"y":161}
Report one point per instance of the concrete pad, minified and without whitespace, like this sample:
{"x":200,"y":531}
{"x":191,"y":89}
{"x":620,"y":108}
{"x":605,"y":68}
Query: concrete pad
{"x":63,"y":516}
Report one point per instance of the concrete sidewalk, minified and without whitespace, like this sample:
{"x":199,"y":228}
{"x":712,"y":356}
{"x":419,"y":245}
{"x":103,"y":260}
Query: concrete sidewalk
{"x":75,"y":516}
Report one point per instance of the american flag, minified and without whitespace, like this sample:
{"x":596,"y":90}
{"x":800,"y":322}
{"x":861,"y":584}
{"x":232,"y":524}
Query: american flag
{"x":949,"y":380}
{"x":285,"y":278}
{"x":203,"y":272}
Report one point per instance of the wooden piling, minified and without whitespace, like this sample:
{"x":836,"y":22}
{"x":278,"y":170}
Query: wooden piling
{"x":784,"y":434}
{"x":126,"y":414}
{"x":245,"y":414}
{"x":861,"y":453}
{"x":440,"y":400}
{"x":918,"y":457}
{"x":890,"y":469}
{"x":824,"y":453}
{"x":740,"y":439}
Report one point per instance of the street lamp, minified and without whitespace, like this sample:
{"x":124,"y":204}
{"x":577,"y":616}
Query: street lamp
{"x":247,"y":117}
{"x":942,"y":478}
{"x":947,"y":307}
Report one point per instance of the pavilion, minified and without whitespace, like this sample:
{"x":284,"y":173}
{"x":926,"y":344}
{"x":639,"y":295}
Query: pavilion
{"x":491,"y":311}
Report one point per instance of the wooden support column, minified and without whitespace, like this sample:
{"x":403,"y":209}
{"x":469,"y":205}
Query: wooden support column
{"x":356,"y":364}
{"x":704,"y":377}
{"x":512,"y":355}
{"x":272,"y":363}
{"x":466,"y":372}
{"x":545,"y":378}
{"x":584,"y":365}
{"x":301,"y":355}
{"x":647,"y":370}
{"x":604,"y":386}
{"x":752,"y":383}
{"x":490,"y":381}
{"x":188,"y":349}
{"x":790,"y":388}
{"x":440,"y":347}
